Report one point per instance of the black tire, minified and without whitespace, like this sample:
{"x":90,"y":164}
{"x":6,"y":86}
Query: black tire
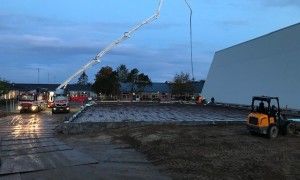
{"x":53,"y":112}
{"x":289,"y":129}
{"x":273,"y":132}
{"x":253,"y":133}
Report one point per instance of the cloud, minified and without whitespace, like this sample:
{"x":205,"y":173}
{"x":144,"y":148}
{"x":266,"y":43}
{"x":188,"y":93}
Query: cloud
{"x":163,"y":63}
{"x":52,"y":36}
{"x":61,"y":47}
{"x":42,"y":40}
{"x":29,"y":39}
{"x":24,"y":23}
{"x":233,"y":23}
{"x":57,"y":47}
{"x":280,"y":3}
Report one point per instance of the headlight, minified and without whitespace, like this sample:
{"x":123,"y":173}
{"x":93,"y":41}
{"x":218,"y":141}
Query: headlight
{"x":54,"y":108}
{"x":68,"y":108}
{"x":19,"y":107}
{"x":34,"y":108}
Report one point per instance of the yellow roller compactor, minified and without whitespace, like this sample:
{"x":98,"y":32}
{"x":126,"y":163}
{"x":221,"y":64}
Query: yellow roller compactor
{"x":266,"y":118}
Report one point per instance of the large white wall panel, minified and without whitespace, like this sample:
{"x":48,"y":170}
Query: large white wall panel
{"x":268,"y":65}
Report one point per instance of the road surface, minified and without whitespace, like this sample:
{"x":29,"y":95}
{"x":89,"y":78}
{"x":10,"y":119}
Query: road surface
{"x":30,"y":149}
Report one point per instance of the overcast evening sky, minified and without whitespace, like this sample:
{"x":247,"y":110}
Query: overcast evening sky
{"x":60,"y":36}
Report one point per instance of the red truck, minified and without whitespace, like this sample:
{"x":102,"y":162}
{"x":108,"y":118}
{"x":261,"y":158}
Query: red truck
{"x":61,"y":104}
{"x":31,"y":102}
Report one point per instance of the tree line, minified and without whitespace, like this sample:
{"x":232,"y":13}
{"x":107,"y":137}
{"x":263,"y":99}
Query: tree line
{"x":108,"y":81}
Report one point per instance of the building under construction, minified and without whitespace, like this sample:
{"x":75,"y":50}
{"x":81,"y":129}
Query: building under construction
{"x":267,"y":65}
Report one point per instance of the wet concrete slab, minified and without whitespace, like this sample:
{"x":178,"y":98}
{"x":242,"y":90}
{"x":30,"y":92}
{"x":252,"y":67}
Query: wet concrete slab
{"x":16,"y":176}
{"x":109,"y":171}
{"x":28,"y":144}
{"x":32,"y":150}
{"x":27,"y":141}
{"x":115,"y":161}
{"x":43,"y":161}
{"x":160,"y":113}
{"x":35,"y":150}
{"x":28,"y":137}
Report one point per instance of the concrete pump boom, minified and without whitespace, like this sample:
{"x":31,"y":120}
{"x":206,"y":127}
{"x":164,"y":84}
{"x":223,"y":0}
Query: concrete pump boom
{"x":97,"y":58}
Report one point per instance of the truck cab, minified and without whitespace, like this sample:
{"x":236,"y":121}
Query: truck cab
{"x":60,"y":104}
{"x":30,"y":102}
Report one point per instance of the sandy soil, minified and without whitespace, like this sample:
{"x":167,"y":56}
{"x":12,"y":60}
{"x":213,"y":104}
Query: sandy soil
{"x":214,"y":152}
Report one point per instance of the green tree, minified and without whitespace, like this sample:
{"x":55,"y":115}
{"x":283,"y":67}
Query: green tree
{"x":137,"y":80}
{"x":143,"y":81}
{"x":4,"y":87}
{"x":83,"y":79}
{"x":106,"y":82}
{"x":133,"y":78}
{"x":122,"y":73}
{"x":182,"y":84}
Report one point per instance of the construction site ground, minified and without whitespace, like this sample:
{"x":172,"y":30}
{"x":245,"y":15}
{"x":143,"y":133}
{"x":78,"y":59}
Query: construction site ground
{"x":174,"y":138}
{"x":214,"y":151}
{"x":31,"y":149}
{"x":174,"y":149}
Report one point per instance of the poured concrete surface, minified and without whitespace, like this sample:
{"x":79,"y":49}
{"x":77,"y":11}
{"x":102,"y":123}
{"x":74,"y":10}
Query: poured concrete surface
{"x":116,"y":160}
{"x":30,"y":149}
{"x":28,"y":144}
{"x":157,"y":112}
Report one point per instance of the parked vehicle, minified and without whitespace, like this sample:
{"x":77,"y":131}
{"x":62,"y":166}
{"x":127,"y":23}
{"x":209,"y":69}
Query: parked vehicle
{"x":61,"y":104}
{"x":31,"y":102}
{"x":266,"y":118}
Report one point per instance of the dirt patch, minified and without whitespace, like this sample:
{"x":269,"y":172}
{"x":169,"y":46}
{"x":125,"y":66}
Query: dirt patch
{"x":214,"y":151}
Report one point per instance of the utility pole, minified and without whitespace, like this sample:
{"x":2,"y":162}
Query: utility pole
{"x":54,"y":79}
{"x":191,"y":38}
{"x":48,"y":78}
{"x":38,"y":80}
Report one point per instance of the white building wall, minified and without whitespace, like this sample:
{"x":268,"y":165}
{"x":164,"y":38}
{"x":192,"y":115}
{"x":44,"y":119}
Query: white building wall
{"x":268,"y":65}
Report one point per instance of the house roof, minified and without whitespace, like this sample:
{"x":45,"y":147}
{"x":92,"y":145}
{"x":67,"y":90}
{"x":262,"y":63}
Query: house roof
{"x":155,"y":87}
{"x":125,"y":87}
{"x":49,"y":87}
{"x":159,"y":87}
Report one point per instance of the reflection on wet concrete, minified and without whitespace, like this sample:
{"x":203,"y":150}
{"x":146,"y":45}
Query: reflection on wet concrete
{"x":28,"y":143}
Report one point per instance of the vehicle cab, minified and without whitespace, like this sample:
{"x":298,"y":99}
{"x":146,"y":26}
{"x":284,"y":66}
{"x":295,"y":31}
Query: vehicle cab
{"x":27,"y":102}
{"x":61,"y":104}
{"x":266,"y":118}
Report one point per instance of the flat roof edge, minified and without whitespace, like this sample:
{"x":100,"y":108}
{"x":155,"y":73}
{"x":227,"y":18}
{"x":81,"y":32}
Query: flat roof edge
{"x":259,"y":37}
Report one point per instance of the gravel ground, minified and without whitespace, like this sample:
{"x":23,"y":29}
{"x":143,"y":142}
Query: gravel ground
{"x":158,"y":112}
{"x":214,"y":152}
{"x":198,"y":151}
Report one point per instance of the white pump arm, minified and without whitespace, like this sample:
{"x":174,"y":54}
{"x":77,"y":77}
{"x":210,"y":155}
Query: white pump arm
{"x":126,"y":35}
